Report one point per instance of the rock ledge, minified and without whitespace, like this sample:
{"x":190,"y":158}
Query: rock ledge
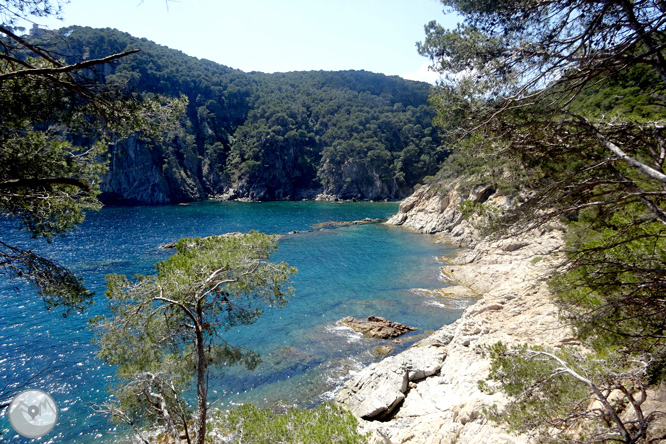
{"x":429,"y":393}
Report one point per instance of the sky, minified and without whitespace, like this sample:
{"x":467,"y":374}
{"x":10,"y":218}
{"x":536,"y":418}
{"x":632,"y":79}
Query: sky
{"x":276,"y":36}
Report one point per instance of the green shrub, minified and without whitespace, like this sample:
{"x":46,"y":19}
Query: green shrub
{"x":247,"y":424}
{"x":566,"y":395}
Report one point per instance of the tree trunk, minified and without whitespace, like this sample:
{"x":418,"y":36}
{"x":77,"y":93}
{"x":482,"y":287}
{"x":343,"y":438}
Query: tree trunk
{"x":202,"y":383}
{"x":164,"y":409}
{"x":645,"y":38}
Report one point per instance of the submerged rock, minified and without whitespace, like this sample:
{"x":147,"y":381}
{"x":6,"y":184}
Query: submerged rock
{"x":382,"y":350}
{"x":301,"y":231}
{"x":367,"y":220}
{"x":376,"y":327}
{"x":233,"y":234}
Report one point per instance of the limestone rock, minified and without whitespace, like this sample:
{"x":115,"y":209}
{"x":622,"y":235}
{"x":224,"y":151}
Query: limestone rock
{"x":377,"y":390}
{"x":454,"y":292}
{"x":356,"y":179}
{"x":365,"y":221}
{"x":376,"y":327}
{"x":443,"y":404}
{"x":382,"y":350}
{"x":431,"y":210}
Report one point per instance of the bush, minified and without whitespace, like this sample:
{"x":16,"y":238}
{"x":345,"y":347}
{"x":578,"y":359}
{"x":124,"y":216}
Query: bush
{"x":327,"y":423}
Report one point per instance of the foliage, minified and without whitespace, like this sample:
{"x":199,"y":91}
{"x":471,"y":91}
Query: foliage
{"x":581,"y":138}
{"x":613,"y":290}
{"x":321,"y":130}
{"x":564,"y":102}
{"x":56,"y":125}
{"x":166,"y":330}
{"x":570,"y":396}
{"x":46,"y":182}
{"x":324,"y":424}
{"x":273,"y":136}
{"x":12,"y":10}
{"x":522,"y":49}
{"x":558,"y":119}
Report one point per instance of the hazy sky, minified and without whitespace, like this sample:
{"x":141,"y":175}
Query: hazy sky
{"x":275,"y":36}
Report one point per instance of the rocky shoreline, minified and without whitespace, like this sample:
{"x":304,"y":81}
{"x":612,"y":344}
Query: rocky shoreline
{"x":429,"y":393}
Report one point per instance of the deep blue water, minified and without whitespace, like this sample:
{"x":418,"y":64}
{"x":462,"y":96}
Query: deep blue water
{"x":345,"y":271}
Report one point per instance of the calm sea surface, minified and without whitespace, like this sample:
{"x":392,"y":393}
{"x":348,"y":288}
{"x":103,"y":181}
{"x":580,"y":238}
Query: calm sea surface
{"x":345,"y":271}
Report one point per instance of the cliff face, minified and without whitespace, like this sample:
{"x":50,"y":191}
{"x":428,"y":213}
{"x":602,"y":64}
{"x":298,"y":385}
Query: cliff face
{"x":429,"y":393}
{"x":357,"y":180}
{"x":139,"y":173}
{"x":256,"y":136}
{"x":432,"y":210}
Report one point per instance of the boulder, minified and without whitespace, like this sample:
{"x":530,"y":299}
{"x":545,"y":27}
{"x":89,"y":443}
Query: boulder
{"x":382,"y":350}
{"x":376,"y":327}
{"x":376,"y":391}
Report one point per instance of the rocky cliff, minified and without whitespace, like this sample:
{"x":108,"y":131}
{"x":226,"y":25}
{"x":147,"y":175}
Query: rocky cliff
{"x":429,"y":394}
{"x":356,"y":179}
{"x":257,"y":136}
{"x":143,"y":174}
{"x":140,"y":173}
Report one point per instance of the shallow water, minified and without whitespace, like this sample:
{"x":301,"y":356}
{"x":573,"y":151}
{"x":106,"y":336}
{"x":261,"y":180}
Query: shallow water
{"x":344,"y":271}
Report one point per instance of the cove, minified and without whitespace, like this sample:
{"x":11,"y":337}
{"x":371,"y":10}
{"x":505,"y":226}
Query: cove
{"x":358,"y":271}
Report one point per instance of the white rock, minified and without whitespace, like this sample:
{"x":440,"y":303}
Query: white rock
{"x":444,"y":403}
{"x":377,"y":390}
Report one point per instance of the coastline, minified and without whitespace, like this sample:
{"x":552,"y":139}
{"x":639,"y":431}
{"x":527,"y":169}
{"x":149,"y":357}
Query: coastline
{"x":429,"y":393}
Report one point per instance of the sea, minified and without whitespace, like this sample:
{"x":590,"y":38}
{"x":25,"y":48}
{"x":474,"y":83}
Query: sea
{"x":343,"y":270}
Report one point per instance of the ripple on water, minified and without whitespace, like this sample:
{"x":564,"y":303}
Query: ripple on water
{"x":348,"y":271}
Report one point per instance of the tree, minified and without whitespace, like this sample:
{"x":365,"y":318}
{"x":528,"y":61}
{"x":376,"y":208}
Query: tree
{"x":519,"y":51}
{"x":598,"y":398}
{"x":515,"y":67}
{"x":532,"y":83}
{"x":56,"y":122}
{"x":323,"y":424}
{"x":167,"y":330}
{"x":47,"y":181}
{"x":563,"y":103}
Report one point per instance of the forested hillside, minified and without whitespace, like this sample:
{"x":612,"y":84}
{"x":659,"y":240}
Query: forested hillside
{"x":349,"y":135}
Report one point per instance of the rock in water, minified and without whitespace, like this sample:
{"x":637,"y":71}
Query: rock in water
{"x":233,"y":234}
{"x":365,"y":221}
{"x":376,"y":327}
{"x":382,"y":350}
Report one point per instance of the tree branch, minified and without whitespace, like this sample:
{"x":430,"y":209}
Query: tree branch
{"x":645,"y":169}
{"x":35,"y":183}
{"x":64,"y":69}
{"x":177,"y":304}
{"x":564,"y":368}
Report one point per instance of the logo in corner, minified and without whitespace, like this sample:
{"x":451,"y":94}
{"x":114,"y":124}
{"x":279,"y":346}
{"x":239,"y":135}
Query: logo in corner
{"x":33,"y":413}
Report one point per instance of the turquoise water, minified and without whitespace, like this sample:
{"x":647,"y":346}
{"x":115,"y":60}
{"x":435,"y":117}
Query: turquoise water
{"x":345,"y":271}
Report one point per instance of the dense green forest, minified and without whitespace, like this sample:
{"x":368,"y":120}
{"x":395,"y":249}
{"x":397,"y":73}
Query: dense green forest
{"x":349,"y":135}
